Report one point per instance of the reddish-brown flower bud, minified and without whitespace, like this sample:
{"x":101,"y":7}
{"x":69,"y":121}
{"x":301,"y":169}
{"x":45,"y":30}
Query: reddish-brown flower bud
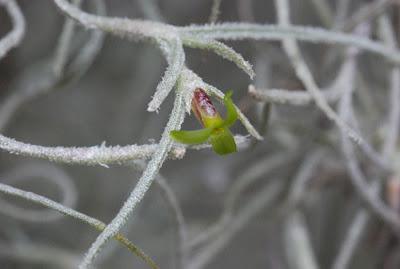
{"x":203,"y":109}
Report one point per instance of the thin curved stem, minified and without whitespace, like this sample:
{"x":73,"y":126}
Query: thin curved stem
{"x":98,"y":225}
{"x":39,"y":254}
{"x":51,"y":174}
{"x":352,"y":239}
{"x":215,"y":10}
{"x":255,"y":172}
{"x":46,"y":77}
{"x":222,"y":50}
{"x":176,"y":210}
{"x":148,"y":176}
{"x":264,"y":198}
{"x":241,"y":31}
{"x":64,"y":44}
{"x":365,"y":13}
{"x":290,"y":97}
{"x":176,"y":60}
{"x":13,"y":38}
{"x":170,"y":197}
{"x":131,"y":29}
{"x":304,"y":74}
{"x":139,"y":29}
{"x":359,"y":223}
{"x":358,"y":179}
{"x":95,"y":155}
{"x":393,"y":115}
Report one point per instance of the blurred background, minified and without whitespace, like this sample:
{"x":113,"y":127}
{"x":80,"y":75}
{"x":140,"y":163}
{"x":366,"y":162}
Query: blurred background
{"x":296,"y":206}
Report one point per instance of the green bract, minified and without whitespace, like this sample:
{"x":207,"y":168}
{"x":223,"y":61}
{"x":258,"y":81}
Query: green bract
{"x":216,"y":131}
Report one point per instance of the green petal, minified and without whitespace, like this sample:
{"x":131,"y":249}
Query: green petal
{"x":231,"y":114}
{"x":223,"y":142}
{"x":192,"y":137}
{"x":213,"y":122}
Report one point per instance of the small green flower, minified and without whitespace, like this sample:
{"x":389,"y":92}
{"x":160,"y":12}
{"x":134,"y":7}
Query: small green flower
{"x":216,"y":130}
